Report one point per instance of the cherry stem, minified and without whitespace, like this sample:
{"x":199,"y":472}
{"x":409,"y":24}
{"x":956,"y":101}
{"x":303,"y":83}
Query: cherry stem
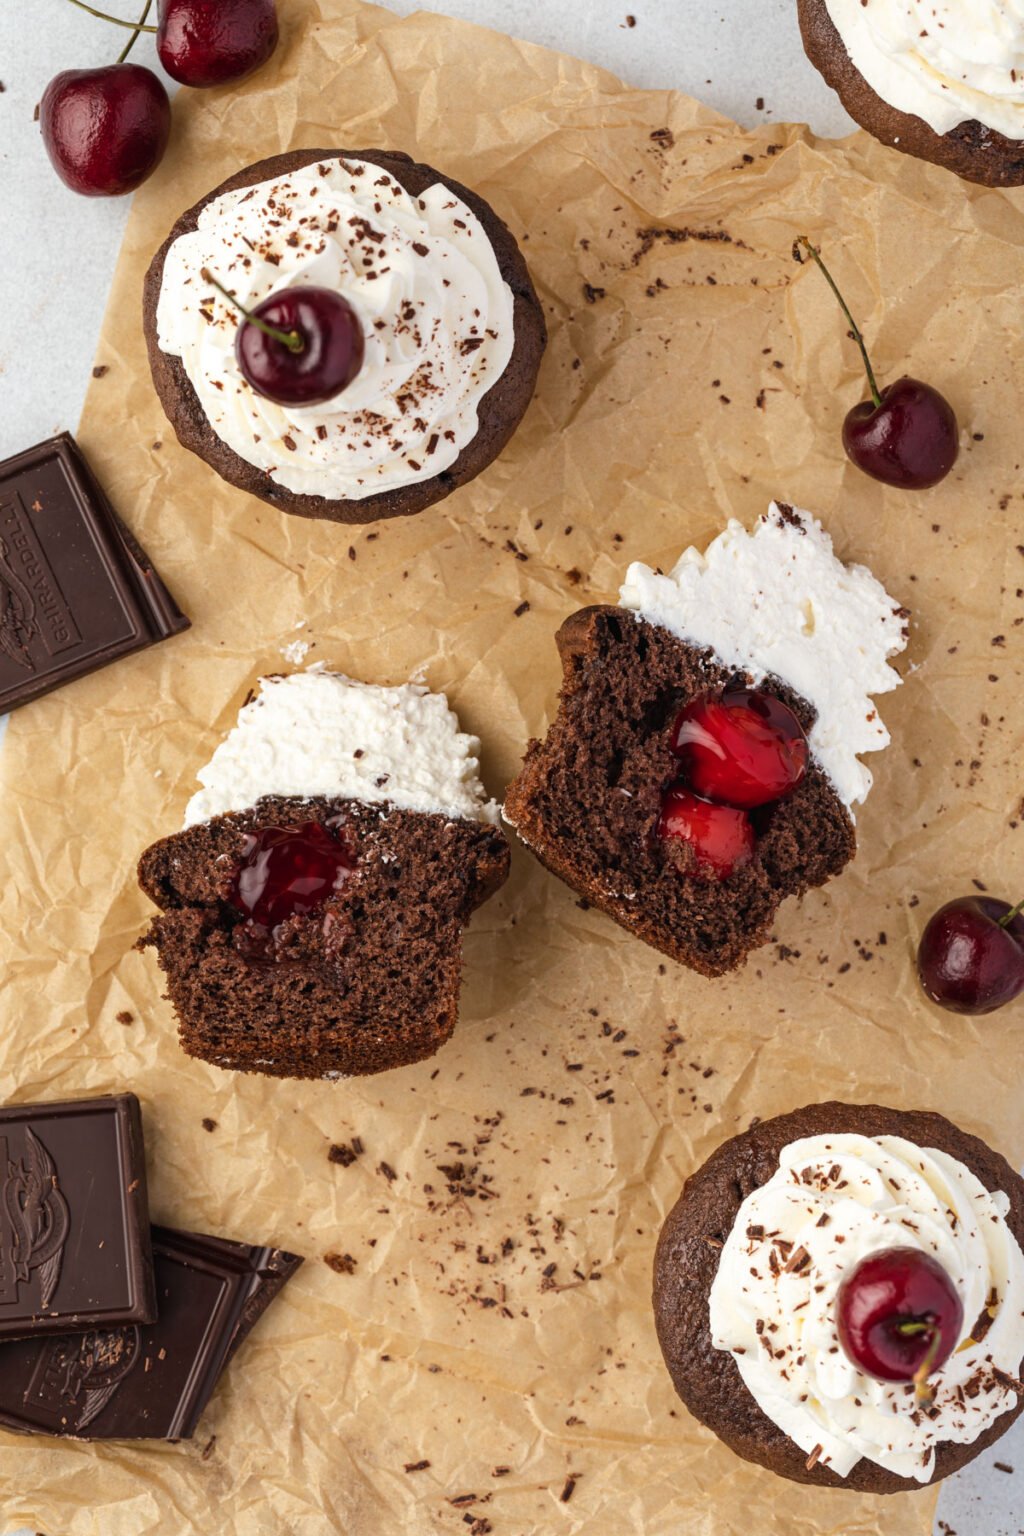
{"x":1008,"y":917}
{"x":130,"y":44}
{"x":854,"y":327}
{"x":118,"y":21}
{"x":290,"y":339}
{"x":913,"y":1328}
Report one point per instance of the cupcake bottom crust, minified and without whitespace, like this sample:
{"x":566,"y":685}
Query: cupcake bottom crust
{"x":970,"y":149}
{"x":500,"y":411}
{"x":708,"y":1379}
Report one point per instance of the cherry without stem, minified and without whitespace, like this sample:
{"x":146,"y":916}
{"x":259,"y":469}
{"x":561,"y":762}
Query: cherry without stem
{"x":907,"y":434}
{"x":288,"y":871}
{"x":744,"y":749}
{"x":720,"y":837}
{"x":899,"y":1316}
{"x":971,"y":955}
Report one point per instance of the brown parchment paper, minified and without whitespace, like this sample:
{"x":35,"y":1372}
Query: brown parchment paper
{"x":495,"y":1329}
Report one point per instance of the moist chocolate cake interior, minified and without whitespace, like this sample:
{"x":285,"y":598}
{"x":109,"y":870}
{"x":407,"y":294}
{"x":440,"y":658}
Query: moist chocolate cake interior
{"x":588,"y":797}
{"x":367,"y":982}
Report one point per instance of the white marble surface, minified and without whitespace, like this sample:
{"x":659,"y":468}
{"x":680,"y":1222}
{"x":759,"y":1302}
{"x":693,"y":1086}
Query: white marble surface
{"x":57,"y":253}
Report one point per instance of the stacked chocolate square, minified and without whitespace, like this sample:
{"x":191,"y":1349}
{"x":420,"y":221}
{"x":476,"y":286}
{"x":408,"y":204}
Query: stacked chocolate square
{"x":110,"y":1329}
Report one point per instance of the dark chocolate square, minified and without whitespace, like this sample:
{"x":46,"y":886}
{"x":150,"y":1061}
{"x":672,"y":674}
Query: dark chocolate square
{"x":74,"y":1217}
{"x":152,"y":1381}
{"x":76,"y":590}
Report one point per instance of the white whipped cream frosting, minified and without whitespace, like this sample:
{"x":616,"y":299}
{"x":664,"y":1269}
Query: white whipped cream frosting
{"x":321,"y":733}
{"x":838,"y":1199}
{"x":777,"y":602}
{"x":422,"y":276}
{"x":946,"y":61}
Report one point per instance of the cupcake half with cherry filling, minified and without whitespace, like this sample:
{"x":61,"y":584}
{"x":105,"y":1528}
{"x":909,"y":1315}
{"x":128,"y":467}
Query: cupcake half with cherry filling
{"x":345,"y":334}
{"x":312,"y":909}
{"x":704,"y":761}
{"x":943,"y":80}
{"x":839,"y":1296}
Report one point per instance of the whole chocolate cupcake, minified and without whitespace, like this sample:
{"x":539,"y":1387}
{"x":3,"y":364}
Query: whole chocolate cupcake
{"x":943,"y":81}
{"x":450,"y":329}
{"x":765,"y":1267}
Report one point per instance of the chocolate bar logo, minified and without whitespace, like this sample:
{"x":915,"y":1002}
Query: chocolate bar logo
{"x":17,"y":613}
{"x":31,"y":603}
{"x":34,"y":1222}
{"x":75,"y":1378}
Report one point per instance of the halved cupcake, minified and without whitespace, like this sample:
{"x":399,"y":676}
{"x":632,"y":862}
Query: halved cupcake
{"x":703,"y":764}
{"x":312,"y":908}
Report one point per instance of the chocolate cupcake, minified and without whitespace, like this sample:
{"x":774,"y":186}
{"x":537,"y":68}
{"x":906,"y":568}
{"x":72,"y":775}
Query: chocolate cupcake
{"x":944,"y":82}
{"x":764,"y":644}
{"x":760,"y":1285}
{"x":449,"y":329}
{"x":312,"y":908}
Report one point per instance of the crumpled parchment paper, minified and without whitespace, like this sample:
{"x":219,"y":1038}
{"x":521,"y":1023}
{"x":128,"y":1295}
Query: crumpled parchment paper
{"x":470,"y":1346}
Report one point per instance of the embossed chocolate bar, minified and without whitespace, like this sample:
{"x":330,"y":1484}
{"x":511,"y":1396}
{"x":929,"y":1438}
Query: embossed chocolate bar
{"x":76,"y":590}
{"x":154,"y":1381}
{"x":74,"y":1217}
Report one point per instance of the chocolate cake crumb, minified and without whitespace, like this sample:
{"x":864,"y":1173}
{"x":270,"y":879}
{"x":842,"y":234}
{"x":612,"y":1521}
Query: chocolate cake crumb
{"x":124,"y":1017}
{"x":416,"y":1466}
{"x":100,"y":371}
{"x":341,"y":1263}
{"x":208,"y":1124}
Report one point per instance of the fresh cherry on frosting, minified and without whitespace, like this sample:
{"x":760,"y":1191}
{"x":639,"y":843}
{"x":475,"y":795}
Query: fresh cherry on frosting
{"x":312,"y":350}
{"x":301,"y":346}
{"x":899,"y":1315}
{"x":907,"y":433}
{"x":744,"y":749}
{"x":720,"y":837}
{"x":105,"y":130}
{"x":971,"y":955}
{"x":212,"y":42}
{"x":288,"y":871}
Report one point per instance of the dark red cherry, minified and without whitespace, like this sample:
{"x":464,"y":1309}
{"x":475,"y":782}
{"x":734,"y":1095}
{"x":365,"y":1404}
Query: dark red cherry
{"x":719,"y":837}
{"x":743,"y":749}
{"x":899,"y":1315}
{"x":212,"y":42}
{"x":316,"y":353}
{"x":908,"y":438}
{"x":971,"y":955}
{"x":907,"y":433}
{"x":105,"y":130}
{"x":287,"y":871}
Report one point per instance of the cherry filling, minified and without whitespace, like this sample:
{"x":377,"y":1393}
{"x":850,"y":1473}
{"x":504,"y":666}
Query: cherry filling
{"x":737,"y":751}
{"x":899,"y":1316}
{"x":744,"y":749}
{"x":288,"y":871}
{"x":720,"y":838}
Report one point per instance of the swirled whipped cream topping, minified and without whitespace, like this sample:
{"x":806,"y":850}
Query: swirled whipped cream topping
{"x":946,"y":61}
{"x":422,"y":276}
{"x":321,"y":733}
{"x":777,"y":602}
{"x":833,"y":1201}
